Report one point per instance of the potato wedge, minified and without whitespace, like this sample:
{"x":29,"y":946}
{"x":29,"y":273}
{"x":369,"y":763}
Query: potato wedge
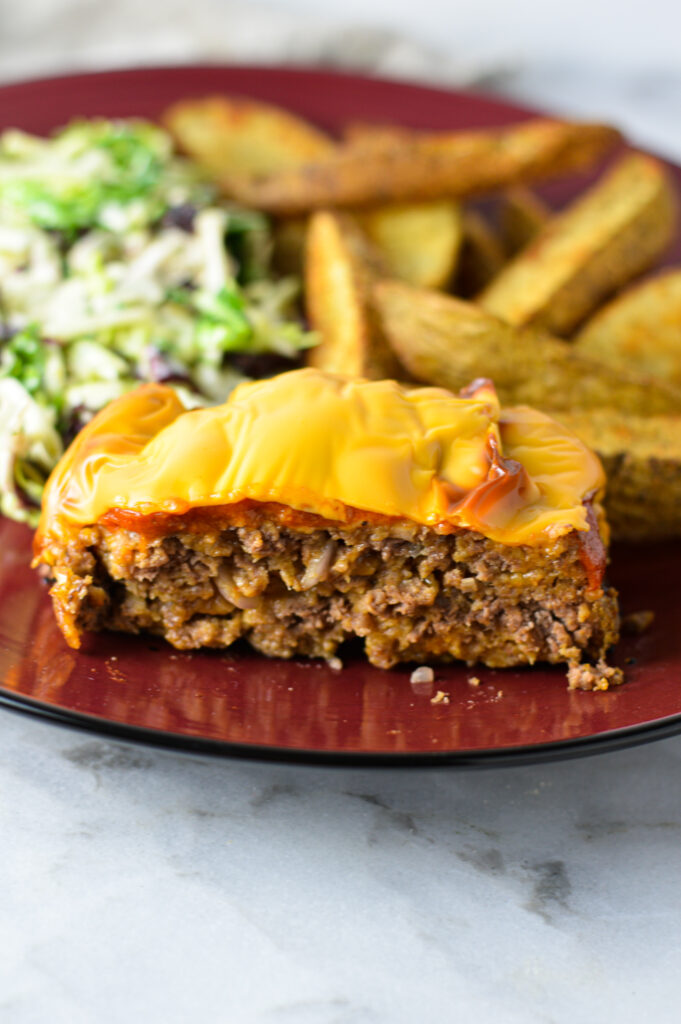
{"x":403,"y":166}
{"x":640,"y":330}
{"x":521,"y":217}
{"x":481,"y":257}
{"x":232,"y":136}
{"x":419,"y":242}
{"x":642,"y":460}
{"x":340,"y":267}
{"x":357,"y":133}
{"x":611,"y":233}
{"x":446,"y":341}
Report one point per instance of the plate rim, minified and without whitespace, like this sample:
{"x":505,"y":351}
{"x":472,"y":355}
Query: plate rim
{"x":608,"y":741}
{"x":293,"y":68}
{"x":541,"y":753}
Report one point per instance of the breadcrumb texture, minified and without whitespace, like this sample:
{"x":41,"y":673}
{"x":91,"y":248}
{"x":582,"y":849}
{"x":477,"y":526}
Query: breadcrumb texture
{"x":297,"y":584}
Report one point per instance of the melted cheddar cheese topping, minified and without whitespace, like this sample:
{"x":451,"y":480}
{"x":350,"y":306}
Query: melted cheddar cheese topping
{"x":322,"y":443}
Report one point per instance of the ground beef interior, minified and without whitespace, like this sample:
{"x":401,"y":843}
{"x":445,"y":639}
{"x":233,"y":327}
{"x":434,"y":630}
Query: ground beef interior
{"x":304,"y":588}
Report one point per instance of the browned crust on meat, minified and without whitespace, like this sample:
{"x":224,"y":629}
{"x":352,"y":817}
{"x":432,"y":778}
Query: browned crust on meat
{"x":293,"y":584}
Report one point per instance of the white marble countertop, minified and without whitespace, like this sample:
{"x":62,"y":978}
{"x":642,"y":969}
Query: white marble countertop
{"x":141,"y":885}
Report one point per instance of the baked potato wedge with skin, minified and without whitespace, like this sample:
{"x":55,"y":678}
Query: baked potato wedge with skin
{"x":642,"y":460}
{"x":406,"y":166}
{"x":340,"y":268}
{"x":608,"y":235}
{"x":356,"y":133}
{"x":419,"y":242}
{"x":234,"y":136}
{"x":446,"y":341}
{"x":481,"y":256}
{"x":522,"y":215}
{"x":640,"y":330}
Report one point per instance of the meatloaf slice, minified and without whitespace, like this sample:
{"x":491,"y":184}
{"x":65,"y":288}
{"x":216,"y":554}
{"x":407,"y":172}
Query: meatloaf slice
{"x":294,"y":583}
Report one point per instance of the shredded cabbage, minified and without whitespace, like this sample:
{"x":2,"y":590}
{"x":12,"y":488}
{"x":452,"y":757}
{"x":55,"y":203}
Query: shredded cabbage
{"x":119,"y":264}
{"x":112,"y":174}
{"x":29,"y":448}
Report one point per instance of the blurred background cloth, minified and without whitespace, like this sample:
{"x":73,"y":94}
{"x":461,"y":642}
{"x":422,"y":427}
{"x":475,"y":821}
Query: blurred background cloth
{"x":585,"y":58}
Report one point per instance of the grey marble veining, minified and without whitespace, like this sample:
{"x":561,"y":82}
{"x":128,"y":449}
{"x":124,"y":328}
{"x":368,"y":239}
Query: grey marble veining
{"x":147,"y":885}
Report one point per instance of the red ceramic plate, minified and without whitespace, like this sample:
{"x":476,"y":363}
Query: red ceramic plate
{"x":240,"y":703}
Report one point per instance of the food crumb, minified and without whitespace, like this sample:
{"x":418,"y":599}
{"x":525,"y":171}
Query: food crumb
{"x":500,"y":694}
{"x":473,"y":681}
{"x":440,"y":698}
{"x":422,"y":674}
{"x":637,"y":622}
{"x":594,"y":677}
{"x":335,"y":664}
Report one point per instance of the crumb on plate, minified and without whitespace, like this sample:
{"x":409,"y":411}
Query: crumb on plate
{"x":636,"y":623}
{"x":594,"y":677}
{"x":422,"y":674}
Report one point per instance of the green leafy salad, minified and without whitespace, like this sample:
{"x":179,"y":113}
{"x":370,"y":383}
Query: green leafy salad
{"x":119,"y":264}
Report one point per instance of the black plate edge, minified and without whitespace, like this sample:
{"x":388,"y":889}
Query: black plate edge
{"x":506,"y":757}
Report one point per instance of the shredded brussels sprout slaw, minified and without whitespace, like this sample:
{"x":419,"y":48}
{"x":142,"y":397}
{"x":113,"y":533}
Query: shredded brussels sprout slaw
{"x":119,"y":264}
